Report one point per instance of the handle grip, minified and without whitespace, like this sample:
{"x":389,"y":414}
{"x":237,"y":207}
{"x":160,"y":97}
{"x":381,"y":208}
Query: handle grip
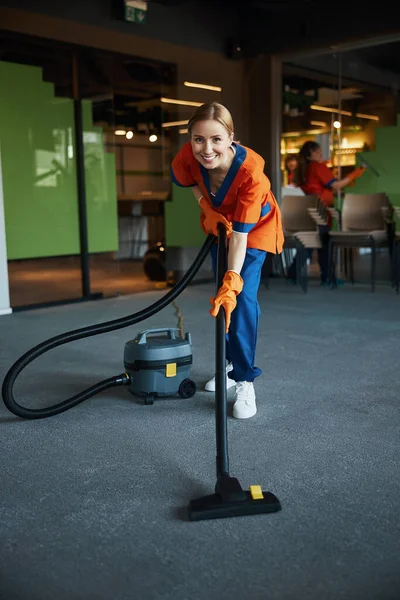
{"x":173,"y":333}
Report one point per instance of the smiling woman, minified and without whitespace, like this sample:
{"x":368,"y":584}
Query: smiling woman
{"x":229,"y":183}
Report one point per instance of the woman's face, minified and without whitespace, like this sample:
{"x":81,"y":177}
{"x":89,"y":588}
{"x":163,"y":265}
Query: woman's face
{"x":211,"y":144}
{"x":316,"y":155}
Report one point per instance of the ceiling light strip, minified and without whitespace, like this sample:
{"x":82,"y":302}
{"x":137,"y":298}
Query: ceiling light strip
{"x":182,"y":102}
{"x":364,"y":116}
{"x":343,"y":112}
{"x":203,"y":86}
{"x":174,"y":123}
{"x":330,"y":110}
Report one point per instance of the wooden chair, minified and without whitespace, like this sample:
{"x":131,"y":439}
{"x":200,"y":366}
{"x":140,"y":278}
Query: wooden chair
{"x":365,"y":222}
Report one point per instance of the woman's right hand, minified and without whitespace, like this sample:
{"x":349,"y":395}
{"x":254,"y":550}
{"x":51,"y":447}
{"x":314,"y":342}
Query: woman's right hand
{"x":211,"y":218}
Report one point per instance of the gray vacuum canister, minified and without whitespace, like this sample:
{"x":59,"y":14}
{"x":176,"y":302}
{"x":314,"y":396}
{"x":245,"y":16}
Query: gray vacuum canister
{"x":158,"y":362}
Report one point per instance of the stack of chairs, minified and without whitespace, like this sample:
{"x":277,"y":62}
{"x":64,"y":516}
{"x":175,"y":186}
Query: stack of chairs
{"x":300,"y":229}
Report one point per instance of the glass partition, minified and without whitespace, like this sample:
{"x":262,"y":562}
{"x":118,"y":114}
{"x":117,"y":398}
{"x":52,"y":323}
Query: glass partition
{"x":39,"y":172}
{"x":126,"y":180}
{"x":340,"y":100}
{"x":127,"y":158}
{"x":348,"y":103}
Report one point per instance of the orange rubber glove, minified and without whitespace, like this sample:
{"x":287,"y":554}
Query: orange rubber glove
{"x":232,"y":285}
{"x":212,"y":218}
{"x":356,"y":173}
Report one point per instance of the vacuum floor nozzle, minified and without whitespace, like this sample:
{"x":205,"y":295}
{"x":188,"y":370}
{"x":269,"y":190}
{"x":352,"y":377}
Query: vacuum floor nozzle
{"x":224,"y":504}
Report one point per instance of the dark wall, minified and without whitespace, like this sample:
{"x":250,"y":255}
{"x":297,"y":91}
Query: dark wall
{"x":209,"y":24}
{"x":186,"y":24}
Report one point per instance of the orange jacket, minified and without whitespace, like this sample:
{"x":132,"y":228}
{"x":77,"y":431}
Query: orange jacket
{"x":244,"y":198}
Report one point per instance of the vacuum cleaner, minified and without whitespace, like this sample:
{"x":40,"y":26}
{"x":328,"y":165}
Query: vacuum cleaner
{"x":157,"y":363}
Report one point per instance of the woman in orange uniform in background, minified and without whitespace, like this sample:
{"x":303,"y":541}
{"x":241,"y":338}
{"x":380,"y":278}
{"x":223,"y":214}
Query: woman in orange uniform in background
{"x":314,"y":177}
{"x":230,"y":186}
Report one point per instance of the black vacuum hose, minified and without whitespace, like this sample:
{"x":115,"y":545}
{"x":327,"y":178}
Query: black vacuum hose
{"x":77,"y":334}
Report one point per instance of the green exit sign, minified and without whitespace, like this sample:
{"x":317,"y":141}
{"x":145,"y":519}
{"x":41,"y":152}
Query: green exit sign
{"x":135,"y":11}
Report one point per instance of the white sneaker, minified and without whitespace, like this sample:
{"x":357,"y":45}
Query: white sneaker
{"x":245,"y":405}
{"x":210,"y":385}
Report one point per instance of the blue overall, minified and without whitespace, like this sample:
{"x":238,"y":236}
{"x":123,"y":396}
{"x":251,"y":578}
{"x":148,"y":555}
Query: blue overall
{"x":242,"y":336}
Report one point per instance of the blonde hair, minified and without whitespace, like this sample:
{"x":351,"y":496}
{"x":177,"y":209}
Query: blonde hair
{"x":212,"y":111}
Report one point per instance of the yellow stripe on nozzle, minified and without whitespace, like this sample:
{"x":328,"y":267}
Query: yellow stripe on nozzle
{"x":256,"y":492}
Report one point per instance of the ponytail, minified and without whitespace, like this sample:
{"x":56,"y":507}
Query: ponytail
{"x":303,"y":157}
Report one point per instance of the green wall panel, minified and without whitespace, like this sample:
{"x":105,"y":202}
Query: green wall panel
{"x":386,"y":162}
{"x":182,"y":220}
{"x":39,"y":170}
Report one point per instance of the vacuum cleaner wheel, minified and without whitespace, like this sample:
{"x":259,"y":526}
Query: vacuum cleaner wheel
{"x":187,"y":388}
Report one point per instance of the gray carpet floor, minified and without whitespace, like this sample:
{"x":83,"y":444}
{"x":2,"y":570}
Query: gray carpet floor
{"x":93,"y":501}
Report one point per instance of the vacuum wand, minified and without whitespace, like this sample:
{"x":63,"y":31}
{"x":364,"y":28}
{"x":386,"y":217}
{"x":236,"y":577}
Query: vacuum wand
{"x":229,"y":499}
{"x":220,"y":367}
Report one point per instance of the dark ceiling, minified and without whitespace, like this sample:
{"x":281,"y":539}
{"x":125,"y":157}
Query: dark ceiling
{"x":263,"y":4}
{"x":284,"y":25}
{"x":385,"y":57}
